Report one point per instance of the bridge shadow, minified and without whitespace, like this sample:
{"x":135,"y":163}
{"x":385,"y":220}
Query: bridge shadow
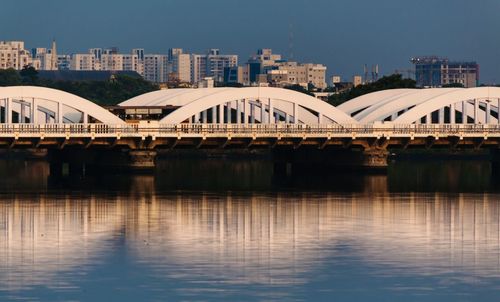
{"x":258,"y":174}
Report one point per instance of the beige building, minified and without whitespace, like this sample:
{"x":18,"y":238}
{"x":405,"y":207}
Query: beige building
{"x":357,"y":80}
{"x":293,"y":73}
{"x":45,"y":59}
{"x":84,"y":62}
{"x":13,"y":55}
{"x":112,"y":62}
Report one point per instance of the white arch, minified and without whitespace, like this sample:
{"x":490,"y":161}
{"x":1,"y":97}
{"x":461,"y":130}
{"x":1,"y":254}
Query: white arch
{"x":370,"y":99}
{"x":256,"y":93}
{"x":31,"y":94}
{"x":182,"y":97}
{"x":172,"y":97}
{"x":380,"y":112}
{"x":159,"y":97}
{"x":441,"y":101}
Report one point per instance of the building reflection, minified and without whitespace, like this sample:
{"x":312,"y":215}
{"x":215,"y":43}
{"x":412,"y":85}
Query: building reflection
{"x":247,"y":239}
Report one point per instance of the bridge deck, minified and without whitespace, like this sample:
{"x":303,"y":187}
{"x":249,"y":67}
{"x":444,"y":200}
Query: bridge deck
{"x":154,"y":135}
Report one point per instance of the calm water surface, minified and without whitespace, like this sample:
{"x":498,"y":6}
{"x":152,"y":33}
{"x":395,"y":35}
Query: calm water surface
{"x":427,"y":231}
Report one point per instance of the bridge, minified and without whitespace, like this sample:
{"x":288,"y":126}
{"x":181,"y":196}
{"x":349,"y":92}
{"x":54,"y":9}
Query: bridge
{"x":253,"y":118}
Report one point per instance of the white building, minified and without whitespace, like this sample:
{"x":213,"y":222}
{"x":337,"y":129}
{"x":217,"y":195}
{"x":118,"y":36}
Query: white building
{"x":156,"y":68}
{"x":198,"y":68}
{"x":211,"y":65}
{"x":217,"y":62}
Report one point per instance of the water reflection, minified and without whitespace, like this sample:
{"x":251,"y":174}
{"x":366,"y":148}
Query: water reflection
{"x":213,"y":242}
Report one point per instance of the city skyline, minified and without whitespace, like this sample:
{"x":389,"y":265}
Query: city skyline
{"x":387,"y":33}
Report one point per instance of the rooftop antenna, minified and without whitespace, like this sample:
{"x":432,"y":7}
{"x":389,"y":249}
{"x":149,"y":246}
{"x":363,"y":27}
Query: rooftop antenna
{"x":290,"y":42}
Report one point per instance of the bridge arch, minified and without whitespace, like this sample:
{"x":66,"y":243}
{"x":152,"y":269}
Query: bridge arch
{"x":484,"y":102}
{"x":379,"y":97}
{"x":391,"y":108}
{"x":40,"y":105}
{"x":253,"y":104}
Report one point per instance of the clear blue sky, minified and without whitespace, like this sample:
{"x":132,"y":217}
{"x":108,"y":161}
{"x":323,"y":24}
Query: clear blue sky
{"x":343,"y":34}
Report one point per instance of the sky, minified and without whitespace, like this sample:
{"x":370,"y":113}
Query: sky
{"x":342,"y":34}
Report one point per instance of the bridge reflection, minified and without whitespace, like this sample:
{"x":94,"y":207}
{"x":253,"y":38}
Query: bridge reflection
{"x":247,"y":239}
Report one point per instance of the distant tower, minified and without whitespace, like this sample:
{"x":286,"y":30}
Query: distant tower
{"x":53,"y":56}
{"x":365,"y":70}
{"x":375,"y":73}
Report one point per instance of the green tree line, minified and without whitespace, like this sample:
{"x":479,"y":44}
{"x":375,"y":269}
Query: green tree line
{"x":117,"y":89}
{"x":388,"y":82}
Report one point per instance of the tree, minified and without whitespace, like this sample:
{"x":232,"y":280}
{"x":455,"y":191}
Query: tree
{"x":29,"y":75}
{"x":9,"y":77}
{"x":453,"y":85}
{"x":224,"y":84}
{"x":388,"y":82}
{"x":299,"y":88}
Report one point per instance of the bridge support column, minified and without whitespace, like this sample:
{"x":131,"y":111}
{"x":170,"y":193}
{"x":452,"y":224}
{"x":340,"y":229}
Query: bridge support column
{"x":142,"y":160}
{"x":374,"y":158}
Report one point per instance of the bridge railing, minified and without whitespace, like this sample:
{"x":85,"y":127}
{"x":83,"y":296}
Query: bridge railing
{"x":158,"y":130}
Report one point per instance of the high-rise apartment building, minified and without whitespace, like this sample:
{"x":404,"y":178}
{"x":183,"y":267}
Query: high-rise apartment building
{"x":86,"y":61}
{"x":211,"y":64}
{"x":198,"y":67}
{"x":216,"y":63}
{"x":439,"y":72}
{"x":156,"y":68}
{"x":112,"y":61}
{"x":179,"y":65}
